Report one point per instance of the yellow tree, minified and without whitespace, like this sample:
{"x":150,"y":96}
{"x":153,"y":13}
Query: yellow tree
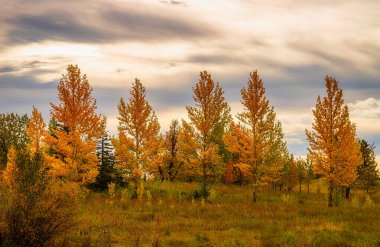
{"x":199,"y":137}
{"x":258,"y":139}
{"x":138,"y":143}
{"x":9,"y":174}
{"x":36,"y":132}
{"x":334,"y":150}
{"x":73,"y":140}
{"x":237,"y":141}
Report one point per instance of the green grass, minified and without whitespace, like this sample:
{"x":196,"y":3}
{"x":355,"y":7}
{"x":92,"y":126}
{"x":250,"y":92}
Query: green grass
{"x":174,"y":218}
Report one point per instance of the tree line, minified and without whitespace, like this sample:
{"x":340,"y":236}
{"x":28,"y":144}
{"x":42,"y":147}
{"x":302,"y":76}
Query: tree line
{"x":54,"y":164}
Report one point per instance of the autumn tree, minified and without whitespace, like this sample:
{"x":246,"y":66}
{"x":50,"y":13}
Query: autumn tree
{"x":199,"y":136}
{"x":172,"y":161}
{"x":237,"y":141}
{"x":36,"y":132}
{"x":77,"y":128}
{"x":290,"y":177}
{"x":38,"y":207}
{"x":138,"y":137}
{"x":333,"y":148}
{"x":308,"y":173}
{"x":301,"y":172}
{"x":258,"y":138}
{"x":367,"y":171}
{"x":229,"y":176}
{"x":12,"y":133}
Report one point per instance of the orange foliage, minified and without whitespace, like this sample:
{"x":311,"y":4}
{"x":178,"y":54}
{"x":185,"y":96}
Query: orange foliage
{"x":229,"y":176}
{"x":334,"y":150}
{"x":199,"y":136}
{"x":36,"y":132}
{"x":9,"y":174}
{"x":138,"y":144}
{"x":73,"y":142}
{"x":257,"y":143}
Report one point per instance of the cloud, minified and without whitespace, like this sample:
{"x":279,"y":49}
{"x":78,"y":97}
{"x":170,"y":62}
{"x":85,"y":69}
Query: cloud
{"x":368,"y":108}
{"x":19,"y":66}
{"x":214,"y":59}
{"x":53,"y":26}
{"x":6,"y":69}
{"x":176,"y":3}
{"x":166,"y":43}
{"x":24,"y":82}
{"x":366,"y":115}
{"x":294,"y":141}
{"x":107,"y":24}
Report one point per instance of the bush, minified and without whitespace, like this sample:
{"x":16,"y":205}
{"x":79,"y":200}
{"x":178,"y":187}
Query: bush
{"x":39,"y":208}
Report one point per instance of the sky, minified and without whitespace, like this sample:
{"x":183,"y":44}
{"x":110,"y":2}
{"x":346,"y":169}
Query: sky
{"x":166,"y":43}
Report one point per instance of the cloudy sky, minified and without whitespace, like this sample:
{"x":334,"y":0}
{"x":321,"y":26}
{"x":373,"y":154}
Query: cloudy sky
{"x":166,"y":43}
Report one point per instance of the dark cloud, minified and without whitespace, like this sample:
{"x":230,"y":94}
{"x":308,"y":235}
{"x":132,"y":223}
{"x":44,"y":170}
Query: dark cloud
{"x":369,"y":49}
{"x":24,"y":82}
{"x":163,"y":98}
{"x":177,"y":3}
{"x":214,"y":59}
{"x":107,"y":99}
{"x":110,"y":24}
{"x":317,"y":52}
{"x":147,"y":26}
{"x":7,"y":68}
{"x":19,"y":93}
{"x":159,"y":98}
{"x":52,"y":26}
{"x":259,"y":42}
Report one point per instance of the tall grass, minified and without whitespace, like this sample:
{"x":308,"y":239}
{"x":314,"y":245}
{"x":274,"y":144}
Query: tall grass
{"x":171,"y":217}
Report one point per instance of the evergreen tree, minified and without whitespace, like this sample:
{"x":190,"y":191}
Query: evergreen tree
{"x":368,"y":174}
{"x":107,"y":172}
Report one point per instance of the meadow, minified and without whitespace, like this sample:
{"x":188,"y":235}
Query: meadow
{"x":168,"y":215}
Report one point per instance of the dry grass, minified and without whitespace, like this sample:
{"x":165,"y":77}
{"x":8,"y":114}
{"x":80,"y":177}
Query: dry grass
{"x":173,"y":218}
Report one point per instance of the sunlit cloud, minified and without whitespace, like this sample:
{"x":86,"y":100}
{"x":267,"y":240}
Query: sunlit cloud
{"x":165,"y":44}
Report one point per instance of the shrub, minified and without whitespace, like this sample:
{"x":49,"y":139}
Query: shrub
{"x":39,"y":208}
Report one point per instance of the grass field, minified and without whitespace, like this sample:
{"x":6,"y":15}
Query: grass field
{"x":168,"y":216}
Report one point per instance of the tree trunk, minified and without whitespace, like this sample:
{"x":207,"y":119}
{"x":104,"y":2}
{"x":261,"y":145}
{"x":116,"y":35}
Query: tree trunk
{"x":170,"y":170}
{"x":161,"y":172}
{"x":135,"y":190}
{"x":300,"y":187}
{"x":254,"y":192}
{"x":348,"y":192}
{"x":331,"y":190}
{"x":204,"y":182}
{"x":308,"y":186}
